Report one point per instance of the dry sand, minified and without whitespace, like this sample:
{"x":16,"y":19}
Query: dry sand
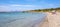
{"x":52,"y":20}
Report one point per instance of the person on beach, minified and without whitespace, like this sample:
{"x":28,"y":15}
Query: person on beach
{"x":54,"y":12}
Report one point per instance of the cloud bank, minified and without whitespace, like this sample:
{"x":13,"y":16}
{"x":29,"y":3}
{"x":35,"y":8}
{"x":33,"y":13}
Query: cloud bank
{"x":16,"y":7}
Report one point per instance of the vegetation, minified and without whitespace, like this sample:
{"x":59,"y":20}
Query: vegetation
{"x":45,"y":10}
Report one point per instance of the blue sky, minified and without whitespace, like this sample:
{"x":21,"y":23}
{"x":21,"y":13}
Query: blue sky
{"x":22,"y":5}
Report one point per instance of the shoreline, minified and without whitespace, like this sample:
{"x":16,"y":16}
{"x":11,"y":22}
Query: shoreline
{"x":44,"y":23}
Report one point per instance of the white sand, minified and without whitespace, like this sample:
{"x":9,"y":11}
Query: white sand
{"x":52,"y":20}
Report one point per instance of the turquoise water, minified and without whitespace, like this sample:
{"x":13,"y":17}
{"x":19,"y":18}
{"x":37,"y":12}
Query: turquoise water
{"x":25,"y":18}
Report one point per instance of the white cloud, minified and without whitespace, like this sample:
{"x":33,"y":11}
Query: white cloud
{"x":16,"y":7}
{"x":23,"y":5}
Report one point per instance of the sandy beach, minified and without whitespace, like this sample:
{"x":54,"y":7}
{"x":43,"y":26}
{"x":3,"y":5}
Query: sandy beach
{"x":52,"y":20}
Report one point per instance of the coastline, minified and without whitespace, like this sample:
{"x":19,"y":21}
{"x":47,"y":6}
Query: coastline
{"x":51,"y":20}
{"x":44,"y":23}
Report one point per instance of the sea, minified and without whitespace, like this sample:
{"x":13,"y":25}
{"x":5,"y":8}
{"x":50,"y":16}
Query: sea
{"x":21,"y":19}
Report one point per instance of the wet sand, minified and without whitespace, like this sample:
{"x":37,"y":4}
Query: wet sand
{"x":44,"y":23}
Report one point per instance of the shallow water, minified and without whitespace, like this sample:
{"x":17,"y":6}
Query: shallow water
{"x":21,"y":19}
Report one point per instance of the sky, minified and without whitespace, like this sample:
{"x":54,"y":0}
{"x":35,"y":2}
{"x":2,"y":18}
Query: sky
{"x":23,"y":5}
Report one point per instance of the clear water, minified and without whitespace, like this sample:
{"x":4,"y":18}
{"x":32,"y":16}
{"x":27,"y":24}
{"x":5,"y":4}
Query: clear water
{"x":25,"y":18}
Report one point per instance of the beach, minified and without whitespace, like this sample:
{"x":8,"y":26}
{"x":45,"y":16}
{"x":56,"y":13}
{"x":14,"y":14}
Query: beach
{"x":34,"y":20}
{"x":52,"y":20}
